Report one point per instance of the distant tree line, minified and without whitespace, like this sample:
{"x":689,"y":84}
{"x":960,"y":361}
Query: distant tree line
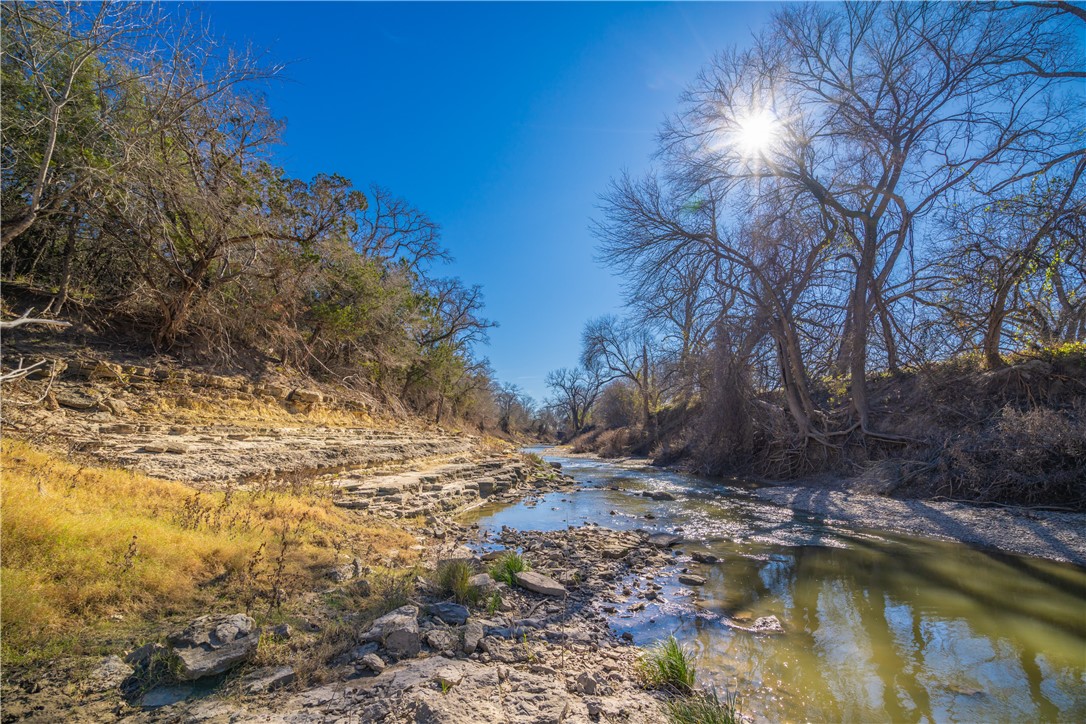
{"x":866,"y":188}
{"x":140,"y":190}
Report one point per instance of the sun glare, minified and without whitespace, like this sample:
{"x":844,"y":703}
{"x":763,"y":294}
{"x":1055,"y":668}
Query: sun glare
{"x":757,"y":132}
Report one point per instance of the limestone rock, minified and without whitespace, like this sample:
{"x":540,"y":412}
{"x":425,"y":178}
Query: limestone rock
{"x":482,"y":582}
{"x":267,"y":679}
{"x":213,"y":644}
{"x":473,"y":634}
{"x":374,"y":663}
{"x":440,"y":639}
{"x":451,"y":613}
{"x":767,"y":624}
{"x":398,"y":632}
{"x":690,"y":579}
{"x":165,"y":696}
{"x":539,"y":583}
{"x":664,"y":540}
{"x":109,"y":674}
{"x":74,"y":400}
{"x":306,"y":395}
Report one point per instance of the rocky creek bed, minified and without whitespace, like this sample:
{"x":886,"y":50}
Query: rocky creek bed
{"x":539,"y":651}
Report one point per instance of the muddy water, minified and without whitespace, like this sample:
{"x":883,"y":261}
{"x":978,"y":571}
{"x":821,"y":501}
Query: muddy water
{"x":877,"y":627}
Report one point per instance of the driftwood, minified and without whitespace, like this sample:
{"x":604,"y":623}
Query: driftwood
{"x":27,"y":319}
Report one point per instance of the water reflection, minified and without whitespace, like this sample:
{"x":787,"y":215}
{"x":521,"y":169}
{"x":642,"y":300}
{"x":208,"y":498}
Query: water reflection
{"x":877,"y":627}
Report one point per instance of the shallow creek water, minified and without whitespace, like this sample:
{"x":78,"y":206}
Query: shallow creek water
{"x":878,"y":626}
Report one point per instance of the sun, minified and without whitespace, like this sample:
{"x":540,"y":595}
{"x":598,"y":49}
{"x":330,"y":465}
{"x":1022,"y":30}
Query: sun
{"x":756,"y":133}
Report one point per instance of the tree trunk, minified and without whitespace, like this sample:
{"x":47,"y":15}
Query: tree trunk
{"x":993,"y":332}
{"x":860,"y":321}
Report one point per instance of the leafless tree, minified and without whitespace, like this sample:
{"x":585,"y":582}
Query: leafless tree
{"x":876,"y":112}
{"x":575,"y":392}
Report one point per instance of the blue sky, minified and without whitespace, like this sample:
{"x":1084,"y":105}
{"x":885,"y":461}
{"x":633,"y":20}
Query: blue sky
{"x":502,"y":121}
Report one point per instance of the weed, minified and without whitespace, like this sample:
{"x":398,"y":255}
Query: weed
{"x":389,"y":590}
{"x":668,"y":665}
{"x":494,"y":604}
{"x":528,"y":649}
{"x":507,"y":566}
{"x":453,"y":578}
{"x":703,"y":707}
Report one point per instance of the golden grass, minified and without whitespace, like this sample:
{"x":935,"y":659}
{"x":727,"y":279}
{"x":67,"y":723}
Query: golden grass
{"x":83,"y":544}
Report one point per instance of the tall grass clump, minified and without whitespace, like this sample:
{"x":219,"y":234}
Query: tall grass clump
{"x":506,"y":567}
{"x":668,"y":665}
{"x":703,"y":707}
{"x":453,"y":579}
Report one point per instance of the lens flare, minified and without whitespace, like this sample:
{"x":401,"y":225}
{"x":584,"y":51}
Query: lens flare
{"x":756,"y":133}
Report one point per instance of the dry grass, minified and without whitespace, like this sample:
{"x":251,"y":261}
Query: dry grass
{"x":82,"y":545}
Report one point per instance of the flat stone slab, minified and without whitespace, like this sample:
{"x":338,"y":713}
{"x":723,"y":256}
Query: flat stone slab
{"x":267,"y":679}
{"x":538,"y":583}
{"x":664,"y":540}
{"x":689,"y":579}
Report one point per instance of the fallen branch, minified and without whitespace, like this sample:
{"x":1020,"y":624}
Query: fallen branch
{"x":27,"y":319}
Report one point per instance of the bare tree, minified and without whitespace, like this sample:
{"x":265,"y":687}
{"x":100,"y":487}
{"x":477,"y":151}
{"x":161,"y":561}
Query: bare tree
{"x":876,"y":112}
{"x":623,"y":349}
{"x":575,"y":391}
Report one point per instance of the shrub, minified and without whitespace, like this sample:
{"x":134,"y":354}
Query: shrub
{"x":703,"y":708}
{"x":507,"y":566}
{"x":668,"y":665}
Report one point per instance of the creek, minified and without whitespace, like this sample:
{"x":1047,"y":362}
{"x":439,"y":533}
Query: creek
{"x":877,"y":626}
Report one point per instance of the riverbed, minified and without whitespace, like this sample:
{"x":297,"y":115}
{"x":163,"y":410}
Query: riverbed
{"x":878,"y":626}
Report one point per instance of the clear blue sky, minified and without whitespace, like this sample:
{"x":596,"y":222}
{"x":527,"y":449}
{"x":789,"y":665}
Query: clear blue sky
{"x":502,"y":121}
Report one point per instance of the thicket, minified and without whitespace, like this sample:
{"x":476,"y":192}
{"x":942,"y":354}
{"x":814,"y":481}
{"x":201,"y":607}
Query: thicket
{"x":141,"y":196}
{"x":867,"y":195}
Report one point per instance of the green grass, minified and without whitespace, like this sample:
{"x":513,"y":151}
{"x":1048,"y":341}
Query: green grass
{"x":507,"y":566}
{"x":703,"y":708}
{"x":668,"y":665}
{"x":453,"y":578}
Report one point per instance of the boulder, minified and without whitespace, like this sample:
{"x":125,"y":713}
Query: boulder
{"x":398,"y":632}
{"x":267,"y":679}
{"x":538,"y":583}
{"x":451,"y":613}
{"x":689,"y":579}
{"x":661,"y":495}
{"x":704,"y":557}
{"x":213,"y":644}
